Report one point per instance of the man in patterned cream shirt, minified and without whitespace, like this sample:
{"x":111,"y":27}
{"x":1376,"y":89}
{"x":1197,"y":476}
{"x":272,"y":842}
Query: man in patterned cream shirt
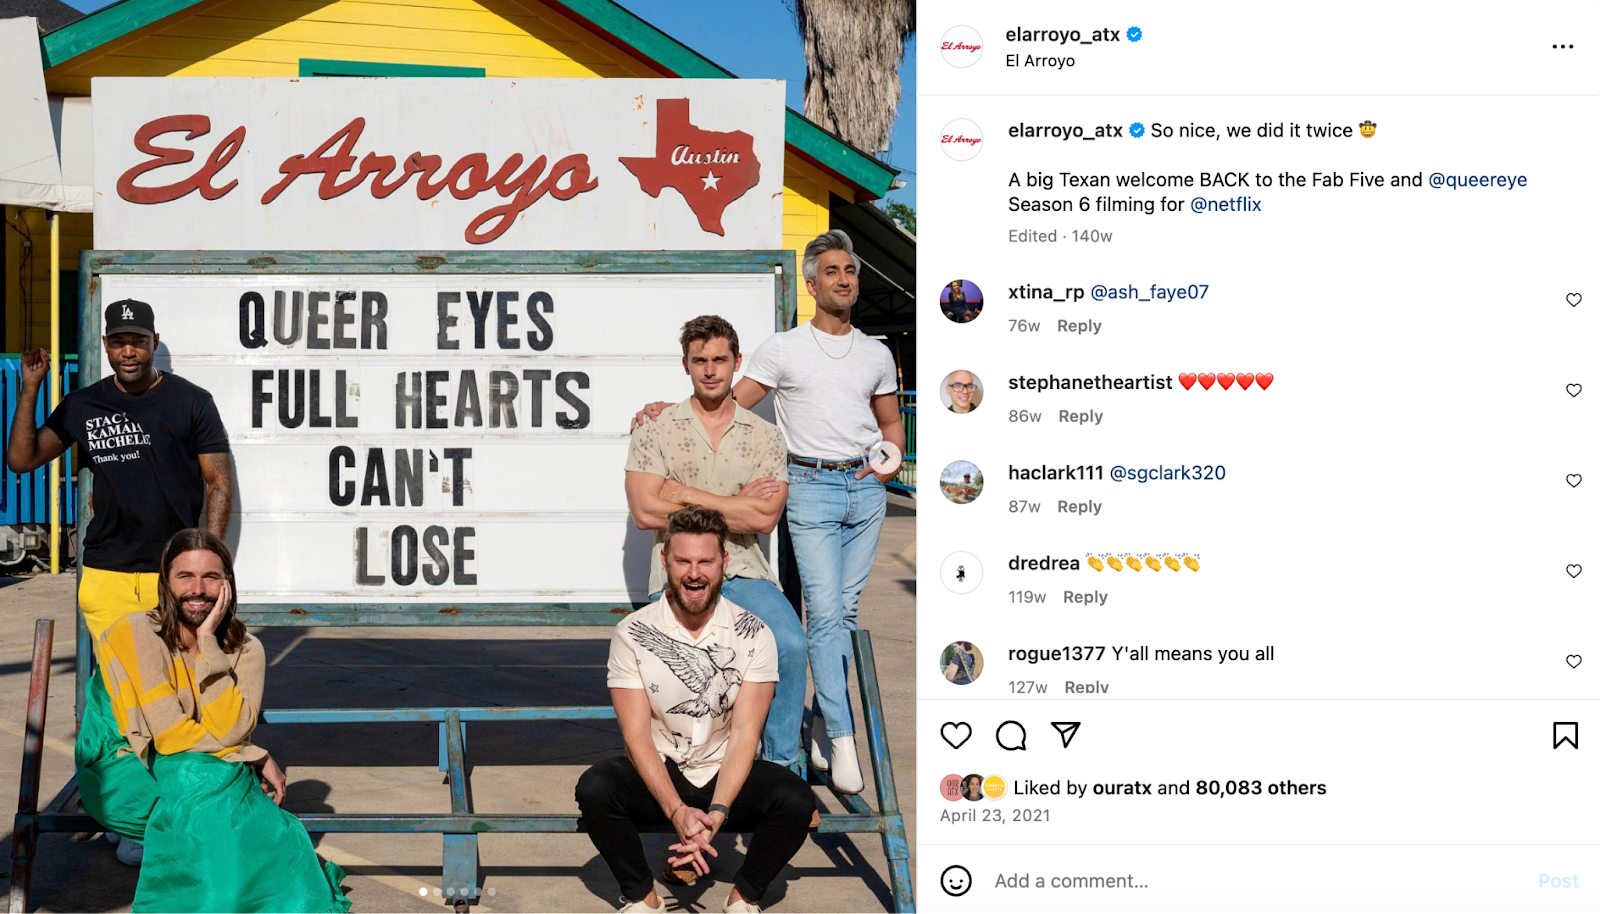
{"x":709,"y":450}
{"x":691,"y":678}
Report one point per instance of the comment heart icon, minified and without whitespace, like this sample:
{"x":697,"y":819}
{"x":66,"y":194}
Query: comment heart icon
{"x":1574,"y":389}
{"x":1245,"y":380}
{"x":1208,"y":379}
{"x":1573,"y":479}
{"x":1573,"y":298}
{"x":1574,"y":570}
{"x":1573,"y":660}
{"x":956,"y":734}
{"x":1226,"y":380}
{"x":1187,"y":380}
{"x":1264,"y":380}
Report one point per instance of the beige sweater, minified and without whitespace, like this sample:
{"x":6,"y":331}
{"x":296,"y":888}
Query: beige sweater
{"x":173,"y":703}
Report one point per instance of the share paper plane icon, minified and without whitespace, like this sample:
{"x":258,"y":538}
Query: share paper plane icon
{"x":1068,"y":729}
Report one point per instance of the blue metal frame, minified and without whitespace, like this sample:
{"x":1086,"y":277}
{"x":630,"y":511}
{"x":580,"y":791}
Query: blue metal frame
{"x":461,"y":827}
{"x":25,"y":497}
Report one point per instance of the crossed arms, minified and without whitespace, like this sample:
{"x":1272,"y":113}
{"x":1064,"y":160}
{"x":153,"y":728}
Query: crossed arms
{"x":652,"y":498}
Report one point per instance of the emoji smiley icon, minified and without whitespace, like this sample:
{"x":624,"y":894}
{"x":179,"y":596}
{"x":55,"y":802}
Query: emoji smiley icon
{"x":1368,"y":128}
{"x":955,"y":881}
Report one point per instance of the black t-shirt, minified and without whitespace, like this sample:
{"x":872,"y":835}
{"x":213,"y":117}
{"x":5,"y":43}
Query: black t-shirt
{"x":144,"y":450}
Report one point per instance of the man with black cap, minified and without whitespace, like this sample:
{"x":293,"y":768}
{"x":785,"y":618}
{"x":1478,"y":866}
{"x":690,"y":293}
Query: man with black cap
{"x":160,"y":460}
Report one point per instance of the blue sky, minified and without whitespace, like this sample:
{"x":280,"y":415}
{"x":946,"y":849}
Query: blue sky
{"x":757,"y":38}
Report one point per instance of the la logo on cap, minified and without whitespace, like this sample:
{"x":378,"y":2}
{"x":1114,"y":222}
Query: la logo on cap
{"x":127,"y":313}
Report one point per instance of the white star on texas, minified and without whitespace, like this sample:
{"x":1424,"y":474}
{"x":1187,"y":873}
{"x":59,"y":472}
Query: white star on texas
{"x":710,"y":181}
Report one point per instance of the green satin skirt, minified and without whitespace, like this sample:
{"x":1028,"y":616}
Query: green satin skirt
{"x":117,"y":789}
{"x":213,"y":839}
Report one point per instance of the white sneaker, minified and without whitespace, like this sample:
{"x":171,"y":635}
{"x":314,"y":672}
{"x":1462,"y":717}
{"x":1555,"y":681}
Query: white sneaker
{"x":130,"y":852}
{"x":742,"y":906}
{"x":846,"y":773}
{"x":638,"y":907}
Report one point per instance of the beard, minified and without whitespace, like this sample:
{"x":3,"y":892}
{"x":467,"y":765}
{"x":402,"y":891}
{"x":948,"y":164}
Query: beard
{"x":193,"y":617}
{"x":695,"y":606}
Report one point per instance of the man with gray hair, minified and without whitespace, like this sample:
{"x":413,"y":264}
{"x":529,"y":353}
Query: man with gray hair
{"x":834,"y":389}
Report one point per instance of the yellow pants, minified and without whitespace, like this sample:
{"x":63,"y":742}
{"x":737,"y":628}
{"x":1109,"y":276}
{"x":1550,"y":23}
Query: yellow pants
{"x":106,"y":596}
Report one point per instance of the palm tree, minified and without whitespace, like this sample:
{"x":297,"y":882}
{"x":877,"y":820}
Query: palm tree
{"x":853,"y":51}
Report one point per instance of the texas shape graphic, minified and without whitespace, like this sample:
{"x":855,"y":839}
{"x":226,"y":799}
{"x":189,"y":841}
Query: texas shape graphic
{"x":710,"y":169}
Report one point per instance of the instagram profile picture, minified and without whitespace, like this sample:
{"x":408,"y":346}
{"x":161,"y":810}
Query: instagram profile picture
{"x":961,"y":663}
{"x":955,"y":787}
{"x":961,"y":46}
{"x":961,"y":392}
{"x":972,"y":787}
{"x":961,"y":301}
{"x":961,"y":482}
{"x":961,"y":140}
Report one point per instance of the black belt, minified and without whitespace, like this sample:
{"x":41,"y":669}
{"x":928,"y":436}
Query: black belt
{"x":815,"y":463}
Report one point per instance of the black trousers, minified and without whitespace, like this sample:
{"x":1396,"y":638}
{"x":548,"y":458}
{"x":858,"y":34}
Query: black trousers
{"x":775,"y":806}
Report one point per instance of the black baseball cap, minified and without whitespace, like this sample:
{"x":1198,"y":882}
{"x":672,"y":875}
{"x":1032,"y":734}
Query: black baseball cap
{"x":130,"y":316}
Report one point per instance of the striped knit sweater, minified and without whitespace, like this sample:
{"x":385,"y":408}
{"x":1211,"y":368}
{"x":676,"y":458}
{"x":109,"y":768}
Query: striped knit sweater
{"x":172,"y":703}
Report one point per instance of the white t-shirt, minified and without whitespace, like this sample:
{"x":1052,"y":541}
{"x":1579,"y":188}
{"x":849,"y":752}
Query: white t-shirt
{"x":823,"y":386}
{"x":692,"y":682}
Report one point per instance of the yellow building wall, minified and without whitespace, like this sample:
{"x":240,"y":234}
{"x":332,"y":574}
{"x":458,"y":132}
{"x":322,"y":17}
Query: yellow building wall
{"x":508,"y":38}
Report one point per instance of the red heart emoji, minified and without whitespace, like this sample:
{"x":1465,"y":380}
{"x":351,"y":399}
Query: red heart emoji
{"x":1265,"y":380}
{"x":1245,"y":380}
{"x":1207,"y":379}
{"x":1226,"y":380}
{"x":1187,"y":380}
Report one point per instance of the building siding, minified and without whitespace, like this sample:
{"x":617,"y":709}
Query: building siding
{"x":269,"y":37}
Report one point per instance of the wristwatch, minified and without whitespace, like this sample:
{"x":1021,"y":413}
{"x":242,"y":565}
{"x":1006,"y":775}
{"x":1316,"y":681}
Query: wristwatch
{"x":718,"y":807}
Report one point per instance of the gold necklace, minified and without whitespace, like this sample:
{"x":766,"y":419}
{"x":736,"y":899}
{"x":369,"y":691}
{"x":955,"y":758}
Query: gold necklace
{"x":825,"y":352}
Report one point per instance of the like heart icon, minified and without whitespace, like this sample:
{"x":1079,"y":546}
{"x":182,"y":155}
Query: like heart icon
{"x":1207,"y":379}
{"x":1226,"y":380}
{"x":1187,"y":380}
{"x":1573,"y":298}
{"x":956,"y":734}
{"x":1245,"y":380}
{"x":1264,"y":381}
{"x":1574,"y":570}
{"x":1573,"y":479}
{"x":1573,"y":660}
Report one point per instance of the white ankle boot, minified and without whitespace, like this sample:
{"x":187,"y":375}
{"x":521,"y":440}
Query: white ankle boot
{"x":845,"y":774}
{"x":836,"y":756}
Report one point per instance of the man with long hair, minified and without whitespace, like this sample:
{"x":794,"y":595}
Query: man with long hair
{"x":158,"y":452}
{"x":181,"y":689}
{"x":691,"y":678}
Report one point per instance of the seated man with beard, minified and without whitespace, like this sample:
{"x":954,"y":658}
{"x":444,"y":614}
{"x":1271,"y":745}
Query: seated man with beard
{"x":183,"y":684}
{"x":691,"y":678}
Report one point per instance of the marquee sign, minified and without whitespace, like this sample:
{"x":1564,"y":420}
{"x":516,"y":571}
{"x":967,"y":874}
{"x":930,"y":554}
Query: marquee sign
{"x":423,"y":430}
{"x":438,"y":164}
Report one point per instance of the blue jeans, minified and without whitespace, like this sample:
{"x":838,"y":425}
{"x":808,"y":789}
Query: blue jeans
{"x":834,"y":520}
{"x":780,"y":739}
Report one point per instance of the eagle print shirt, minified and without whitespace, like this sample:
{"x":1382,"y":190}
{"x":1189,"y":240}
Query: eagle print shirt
{"x":691,"y":681}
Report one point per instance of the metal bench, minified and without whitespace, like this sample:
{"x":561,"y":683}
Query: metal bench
{"x":463,"y":825}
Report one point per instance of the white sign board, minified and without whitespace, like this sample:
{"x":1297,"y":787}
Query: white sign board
{"x":437,"y":438}
{"x":438,"y":164}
